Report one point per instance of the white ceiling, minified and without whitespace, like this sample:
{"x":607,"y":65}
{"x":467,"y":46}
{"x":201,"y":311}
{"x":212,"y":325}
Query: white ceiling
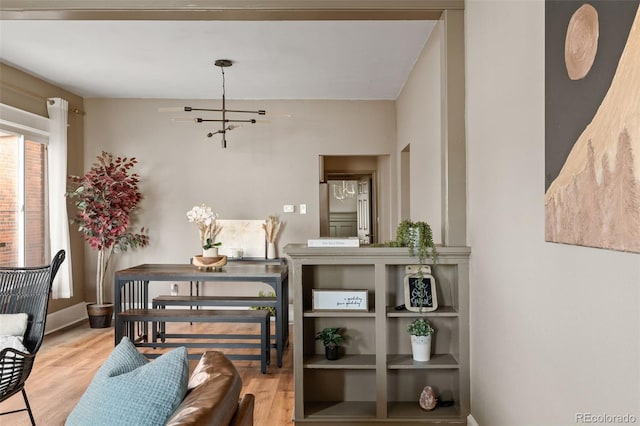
{"x":174,"y":59}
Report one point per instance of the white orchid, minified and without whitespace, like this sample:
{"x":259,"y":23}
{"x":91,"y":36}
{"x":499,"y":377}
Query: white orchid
{"x":205,"y":218}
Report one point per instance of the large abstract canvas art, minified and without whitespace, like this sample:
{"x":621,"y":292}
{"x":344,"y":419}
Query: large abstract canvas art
{"x":592,"y":123}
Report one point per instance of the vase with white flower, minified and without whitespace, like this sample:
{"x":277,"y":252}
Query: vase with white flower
{"x":205,"y":218}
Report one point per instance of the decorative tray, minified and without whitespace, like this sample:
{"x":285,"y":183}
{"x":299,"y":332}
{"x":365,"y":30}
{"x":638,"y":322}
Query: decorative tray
{"x":209,"y":263}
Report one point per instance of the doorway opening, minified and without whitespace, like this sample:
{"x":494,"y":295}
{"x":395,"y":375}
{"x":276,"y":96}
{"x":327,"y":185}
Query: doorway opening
{"x":348,"y":197}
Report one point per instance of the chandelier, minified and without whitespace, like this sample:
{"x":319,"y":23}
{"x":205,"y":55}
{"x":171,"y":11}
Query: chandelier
{"x":343,"y":190}
{"x":226,"y":123}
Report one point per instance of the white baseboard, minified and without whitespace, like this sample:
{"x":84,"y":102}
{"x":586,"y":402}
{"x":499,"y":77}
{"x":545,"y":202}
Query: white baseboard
{"x":471,"y":421}
{"x":66,"y":317}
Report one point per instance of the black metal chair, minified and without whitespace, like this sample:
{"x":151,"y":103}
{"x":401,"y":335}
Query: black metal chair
{"x":25,"y":290}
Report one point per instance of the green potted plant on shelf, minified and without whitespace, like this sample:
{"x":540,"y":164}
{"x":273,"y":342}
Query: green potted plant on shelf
{"x":421,"y":331}
{"x":418,"y":237}
{"x":331,"y":338}
{"x":106,"y":198}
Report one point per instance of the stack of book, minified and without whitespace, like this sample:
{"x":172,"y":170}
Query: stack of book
{"x":334,"y":242}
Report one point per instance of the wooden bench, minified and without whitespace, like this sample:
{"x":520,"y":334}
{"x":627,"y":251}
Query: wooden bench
{"x":166,"y":300}
{"x":129,"y":317}
{"x":211,"y":301}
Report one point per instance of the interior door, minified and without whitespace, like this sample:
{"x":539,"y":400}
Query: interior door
{"x":364,"y":210}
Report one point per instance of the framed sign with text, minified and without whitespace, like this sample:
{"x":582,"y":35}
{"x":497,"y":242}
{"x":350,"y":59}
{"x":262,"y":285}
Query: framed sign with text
{"x":340,"y":300}
{"x":420,"y":293}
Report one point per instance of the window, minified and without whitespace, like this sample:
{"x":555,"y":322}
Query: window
{"x":23,"y":226}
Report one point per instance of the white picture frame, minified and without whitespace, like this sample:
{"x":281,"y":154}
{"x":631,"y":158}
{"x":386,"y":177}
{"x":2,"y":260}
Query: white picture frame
{"x":340,"y":300}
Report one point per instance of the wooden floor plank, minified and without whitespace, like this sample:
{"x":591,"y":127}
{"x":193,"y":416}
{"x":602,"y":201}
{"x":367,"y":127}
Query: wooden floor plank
{"x":67,"y":361}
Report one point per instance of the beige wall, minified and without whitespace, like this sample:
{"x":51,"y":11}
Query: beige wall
{"x":419,"y":125}
{"x":555,"y":329}
{"x":263,"y":167}
{"x":29,"y":93}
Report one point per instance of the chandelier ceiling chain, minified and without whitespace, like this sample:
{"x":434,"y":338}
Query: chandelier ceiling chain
{"x":226,"y":122}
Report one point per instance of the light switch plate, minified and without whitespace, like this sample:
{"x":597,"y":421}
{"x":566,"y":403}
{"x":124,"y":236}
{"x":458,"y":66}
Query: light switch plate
{"x":288,"y":208}
{"x":303,"y":209}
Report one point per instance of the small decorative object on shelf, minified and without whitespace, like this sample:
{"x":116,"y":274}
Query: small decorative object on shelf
{"x":271,"y":229}
{"x":205,"y":218}
{"x":236,"y":253}
{"x":340,"y":300}
{"x":420,"y":289}
{"x":421,"y":332}
{"x":331,"y":338}
{"x":428,"y":399}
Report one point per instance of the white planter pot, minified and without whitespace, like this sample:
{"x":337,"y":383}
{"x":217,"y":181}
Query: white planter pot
{"x":421,"y":348}
{"x":211,"y":252}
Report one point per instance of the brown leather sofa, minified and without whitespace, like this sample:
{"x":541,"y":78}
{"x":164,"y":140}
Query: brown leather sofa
{"x":213,"y":396}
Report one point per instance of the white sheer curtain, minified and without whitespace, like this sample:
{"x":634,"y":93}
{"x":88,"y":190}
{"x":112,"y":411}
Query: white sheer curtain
{"x":57,"y":176}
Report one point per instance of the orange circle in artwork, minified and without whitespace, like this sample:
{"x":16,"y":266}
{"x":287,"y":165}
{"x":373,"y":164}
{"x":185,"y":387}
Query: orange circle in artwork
{"x":581,"y":43}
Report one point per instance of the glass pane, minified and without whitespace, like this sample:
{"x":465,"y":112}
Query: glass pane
{"x":8,"y":203}
{"x":34,"y":204}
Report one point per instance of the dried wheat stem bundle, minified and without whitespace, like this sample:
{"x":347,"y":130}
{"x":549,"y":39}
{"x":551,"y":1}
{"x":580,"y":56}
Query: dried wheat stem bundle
{"x":271,"y":228}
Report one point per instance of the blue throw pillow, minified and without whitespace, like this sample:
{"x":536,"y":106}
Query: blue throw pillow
{"x":129,"y":390}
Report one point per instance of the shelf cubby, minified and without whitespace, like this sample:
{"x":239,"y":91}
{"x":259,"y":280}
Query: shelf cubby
{"x":405,"y":386}
{"x":406,"y":362}
{"x":353,"y":362}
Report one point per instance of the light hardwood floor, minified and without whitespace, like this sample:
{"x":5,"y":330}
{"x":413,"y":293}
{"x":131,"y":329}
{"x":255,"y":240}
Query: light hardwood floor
{"x":68,"y":360}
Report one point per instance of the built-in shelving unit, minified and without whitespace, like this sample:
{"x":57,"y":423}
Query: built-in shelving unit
{"x":376,"y":380}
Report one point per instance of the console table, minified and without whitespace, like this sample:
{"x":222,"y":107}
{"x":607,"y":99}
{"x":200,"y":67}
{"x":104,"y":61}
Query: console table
{"x":131,"y":289}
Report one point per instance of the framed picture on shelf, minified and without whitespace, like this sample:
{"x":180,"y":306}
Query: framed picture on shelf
{"x":340,"y":300}
{"x":420,"y":292}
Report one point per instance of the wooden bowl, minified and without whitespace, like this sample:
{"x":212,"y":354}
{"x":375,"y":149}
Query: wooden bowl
{"x":209,"y":263}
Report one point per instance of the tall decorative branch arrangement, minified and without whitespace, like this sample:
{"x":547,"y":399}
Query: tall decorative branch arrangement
{"x":107,"y":197}
{"x":271,"y":228}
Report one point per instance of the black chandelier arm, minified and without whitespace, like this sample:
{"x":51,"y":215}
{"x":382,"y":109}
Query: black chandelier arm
{"x":259,"y":112}
{"x":204,"y":120}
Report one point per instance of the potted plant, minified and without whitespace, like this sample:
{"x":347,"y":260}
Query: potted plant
{"x":421,"y":332}
{"x":106,"y":198}
{"x":418,"y":237}
{"x":331,"y":339}
{"x":206,"y":220}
